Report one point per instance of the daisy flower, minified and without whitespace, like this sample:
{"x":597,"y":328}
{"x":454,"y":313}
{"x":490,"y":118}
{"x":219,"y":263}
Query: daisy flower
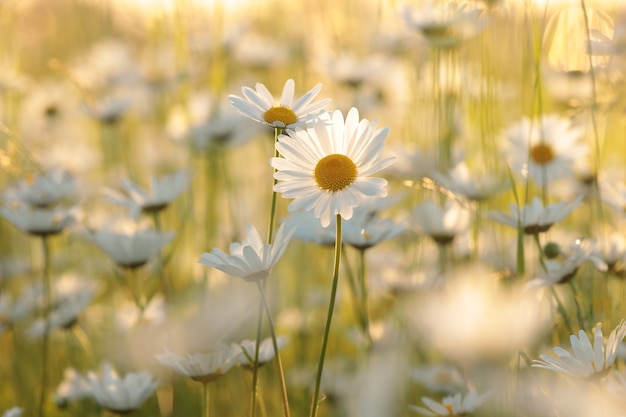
{"x":534,"y":218}
{"x":441,"y":224}
{"x":563,"y":271}
{"x":444,"y":25}
{"x":121,"y":395}
{"x":587,"y":361}
{"x":131,"y":249}
{"x":545,"y":149}
{"x":43,"y":191}
{"x":202,"y":367}
{"x":251,"y":259}
{"x":38,"y":221}
{"x":13,"y":412}
{"x":163,"y":191}
{"x":266,"y":351}
{"x":260,"y":105}
{"x":327,"y":166}
{"x":453,"y":405}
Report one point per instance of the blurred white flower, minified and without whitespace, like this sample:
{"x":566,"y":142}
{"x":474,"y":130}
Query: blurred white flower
{"x":13,"y":412}
{"x":561,"y":271}
{"x":545,"y":149}
{"x":458,"y":319}
{"x":121,"y":395}
{"x":202,"y":367}
{"x":444,"y":24}
{"x":444,"y":379}
{"x":251,"y":259}
{"x":162,"y":192}
{"x":587,"y":360}
{"x":473,"y":187}
{"x":74,"y":386}
{"x":131,"y":249}
{"x":453,"y":405}
{"x":44,"y":190}
{"x":259,"y":105}
{"x":534,"y":218}
{"x":266,"y":351}
{"x":440,"y":224}
{"x":39,"y":221}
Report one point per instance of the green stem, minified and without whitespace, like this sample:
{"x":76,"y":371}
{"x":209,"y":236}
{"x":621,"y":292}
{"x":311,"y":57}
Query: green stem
{"x":577,"y":303}
{"x":160,"y":267}
{"x":45,"y":313}
{"x":329,"y":317}
{"x":255,"y":364}
{"x":205,"y":399}
{"x":356,"y":299}
{"x":364,"y":298}
{"x":279,"y":365}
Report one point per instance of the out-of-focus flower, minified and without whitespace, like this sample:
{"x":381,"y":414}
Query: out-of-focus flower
{"x":355,"y":71}
{"x":438,"y":378}
{"x":534,"y":218}
{"x":442,"y":225}
{"x":129,"y":315}
{"x":453,"y":405}
{"x":477,"y":188}
{"x":258,"y":51}
{"x":444,"y":24}
{"x":163,"y":191}
{"x":13,"y":310}
{"x":260,"y":105}
{"x":131,"y":249}
{"x":74,"y":386}
{"x":458,"y":319}
{"x":13,"y":412}
{"x":72,"y":296}
{"x":251,"y":259}
{"x":109,"y":110}
{"x":207,"y":125}
{"x":39,"y":221}
{"x":587,"y":360}
{"x":563,"y":271}
{"x":202,"y":367}
{"x":309,"y":229}
{"x":544,"y":149}
{"x":266,"y":351}
{"x":42,"y":191}
{"x":366,"y":228}
{"x":327,"y":167}
{"x":121,"y":395}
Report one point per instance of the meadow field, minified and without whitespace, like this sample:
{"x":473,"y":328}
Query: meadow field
{"x":346,"y":208}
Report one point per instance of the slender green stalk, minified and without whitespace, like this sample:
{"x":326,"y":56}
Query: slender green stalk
{"x":46,"y":317}
{"x":356,"y":299}
{"x":279,"y":365}
{"x":205,"y":399}
{"x":329,"y":318}
{"x":165,"y":285}
{"x":270,"y":238}
{"x":364,"y":299}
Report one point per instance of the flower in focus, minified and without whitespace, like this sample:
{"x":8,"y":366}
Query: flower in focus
{"x":202,"y":367}
{"x":131,"y":249}
{"x":441,"y":224}
{"x":120,"y":395}
{"x":164,"y":191}
{"x":453,"y":405}
{"x":38,"y":221}
{"x":444,"y":24}
{"x":266,"y":351}
{"x":42,"y":191}
{"x":587,"y":361}
{"x":327,"y":166}
{"x":260,"y":105}
{"x":545,"y":149}
{"x":534,"y":218}
{"x":251,"y":259}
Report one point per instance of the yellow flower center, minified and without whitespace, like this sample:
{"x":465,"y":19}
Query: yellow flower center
{"x":335,"y":172}
{"x":280,"y":114}
{"x":542,"y":153}
{"x":450,"y":409}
